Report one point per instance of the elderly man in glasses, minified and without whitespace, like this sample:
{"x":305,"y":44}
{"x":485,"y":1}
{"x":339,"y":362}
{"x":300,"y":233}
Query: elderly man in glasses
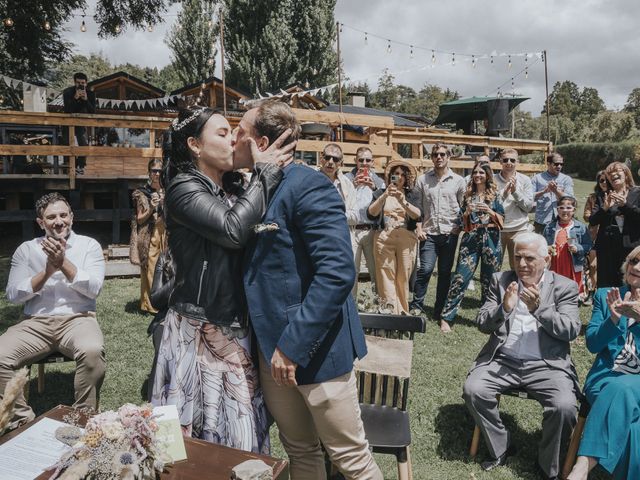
{"x":549,"y":187}
{"x":366,"y":181}
{"x":516,"y":195}
{"x":442,"y":192}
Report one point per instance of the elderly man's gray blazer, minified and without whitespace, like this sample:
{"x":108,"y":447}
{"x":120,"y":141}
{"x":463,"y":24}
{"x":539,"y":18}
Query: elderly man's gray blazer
{"x":557,"y":314}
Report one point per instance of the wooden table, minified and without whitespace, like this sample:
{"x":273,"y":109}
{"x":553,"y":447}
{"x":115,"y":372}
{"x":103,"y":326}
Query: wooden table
{"x":205,"y":460}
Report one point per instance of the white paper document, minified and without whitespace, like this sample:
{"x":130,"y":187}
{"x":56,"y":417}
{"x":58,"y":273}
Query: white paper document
{"x":27,"y":455}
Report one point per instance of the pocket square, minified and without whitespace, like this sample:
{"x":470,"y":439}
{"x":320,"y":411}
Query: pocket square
{"x":266,"y":227}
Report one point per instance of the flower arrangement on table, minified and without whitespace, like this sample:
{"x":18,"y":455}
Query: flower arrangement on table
{"x":118,"y":445}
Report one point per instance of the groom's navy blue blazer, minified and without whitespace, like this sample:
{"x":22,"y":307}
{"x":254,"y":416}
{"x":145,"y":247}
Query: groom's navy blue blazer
{"x":298,"y":279}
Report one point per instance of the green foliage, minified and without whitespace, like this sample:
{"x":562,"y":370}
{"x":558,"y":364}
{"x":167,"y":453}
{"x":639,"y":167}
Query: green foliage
{"x":633,"y":105}
{"x":96,"y":65}
{"x":400,"y":98}
{"x":610,"y":126}
{"x":272,"y":44}
{"x":27,"y":47}
{"x":568,"y":101}
{"x":193,"y":39}
{"x":585,"y":159}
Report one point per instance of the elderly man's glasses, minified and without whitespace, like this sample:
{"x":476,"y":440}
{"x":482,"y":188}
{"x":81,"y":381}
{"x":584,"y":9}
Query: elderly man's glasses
{"x":439,"y":154}
{"x":509,"y":160}
{"x":365,"y":160}
{"x":335,"y":158}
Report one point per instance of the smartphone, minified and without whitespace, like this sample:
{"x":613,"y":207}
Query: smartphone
{"x":395,"y":179}
{"x":364,"y":171}
{"x":80,"y":87}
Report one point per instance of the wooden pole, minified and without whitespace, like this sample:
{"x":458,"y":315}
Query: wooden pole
{"x":224,"y":82}
{"x":339,"y":78}
{"x":546,"y":85}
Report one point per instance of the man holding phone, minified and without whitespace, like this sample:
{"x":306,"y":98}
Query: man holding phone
{"x":366,"y":182}
{"x":79,"y":99}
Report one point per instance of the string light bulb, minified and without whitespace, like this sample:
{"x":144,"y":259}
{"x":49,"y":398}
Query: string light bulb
{"x":47,"y":25}
{"x":526,"y":72}
{"x":8,"y":22}
{"x":210,"y":24}
{"x":149,"y":28}
{"x":117,"y":28}
{"x":83,"y":27}
{"x":411,"y":53}
{"x":210,"y":62}
{"x":341,"y":27}
{"x":491,"y":59}
{"x":453,"y":59}
{"x":306,"y":84}
{"x":473,"y":61}
{"x":433,"y":56}
{"x":366,"y":38}
{"x":509,"y":64}
{"x":388,"y":46}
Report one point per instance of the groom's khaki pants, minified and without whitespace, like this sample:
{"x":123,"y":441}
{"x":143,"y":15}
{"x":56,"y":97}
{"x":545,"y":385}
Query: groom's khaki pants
{"x":327,"y":413}
{"x":34,"y":338}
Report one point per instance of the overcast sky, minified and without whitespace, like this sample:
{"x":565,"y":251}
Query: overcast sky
{"x":592,"y":43}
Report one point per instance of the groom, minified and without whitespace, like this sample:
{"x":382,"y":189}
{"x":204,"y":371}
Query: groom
{"x":299,"y":273}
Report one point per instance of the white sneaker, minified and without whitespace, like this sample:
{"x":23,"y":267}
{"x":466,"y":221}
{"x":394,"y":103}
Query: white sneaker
{"x":472,"y":286}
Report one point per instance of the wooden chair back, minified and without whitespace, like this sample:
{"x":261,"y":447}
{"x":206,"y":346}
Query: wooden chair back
{"x":383,"y":375}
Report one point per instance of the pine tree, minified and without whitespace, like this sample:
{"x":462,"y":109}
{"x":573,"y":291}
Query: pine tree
{"x":272,"y":44}
{"x":192,"y":41}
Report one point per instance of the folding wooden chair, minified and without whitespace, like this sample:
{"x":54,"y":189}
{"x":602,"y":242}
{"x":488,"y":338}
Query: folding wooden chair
{"x":383,"y":384}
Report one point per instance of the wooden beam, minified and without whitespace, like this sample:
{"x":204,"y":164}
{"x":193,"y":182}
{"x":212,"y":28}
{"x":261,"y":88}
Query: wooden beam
{"x":347,"y":148}
{"x":100,"y":120}
{"x":73,"y":150}
{"x":336,"y":118}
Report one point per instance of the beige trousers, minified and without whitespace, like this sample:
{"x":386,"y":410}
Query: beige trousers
{"x":34,"y":338}
{"x":395,"y":256}
{"x":324,"y":413}
{"x":362,"y":244}
{"x":507,"y":240}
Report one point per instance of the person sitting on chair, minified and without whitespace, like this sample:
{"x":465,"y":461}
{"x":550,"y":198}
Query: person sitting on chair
{"x":57,"y":277}
{"x":531,"y":315}
{"x":612,"y":432}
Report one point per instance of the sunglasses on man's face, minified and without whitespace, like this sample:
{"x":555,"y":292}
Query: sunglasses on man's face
{"x":439,"y":154}
{"x":365,"y":160}
{"x":335,"y":158}
{"x":558,"y":164}
{"x":509,"y":160}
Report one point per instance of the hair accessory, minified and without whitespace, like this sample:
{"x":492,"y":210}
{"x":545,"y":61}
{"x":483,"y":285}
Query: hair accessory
{"x":179,"y":126}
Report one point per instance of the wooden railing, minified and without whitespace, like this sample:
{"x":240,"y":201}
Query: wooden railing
{"x":118,"y":162}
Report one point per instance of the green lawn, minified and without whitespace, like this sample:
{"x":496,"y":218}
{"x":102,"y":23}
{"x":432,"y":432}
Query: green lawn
{"x":441,"y":425}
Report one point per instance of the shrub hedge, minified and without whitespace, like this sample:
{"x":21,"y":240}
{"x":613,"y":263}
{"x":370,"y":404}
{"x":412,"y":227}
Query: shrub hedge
{"x":585,"y":159}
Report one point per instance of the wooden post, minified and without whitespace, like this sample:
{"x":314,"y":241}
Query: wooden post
{"x":546,"y":86}
{"x":339,"y":79}
{"x":224,"y":83}
{"x":72,"y":159}
{"x":152,"y":138}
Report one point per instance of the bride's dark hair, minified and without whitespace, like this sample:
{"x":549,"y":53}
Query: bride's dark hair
{"x":178,"y":157}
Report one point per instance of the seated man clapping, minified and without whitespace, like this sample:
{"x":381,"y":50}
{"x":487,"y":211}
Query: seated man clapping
{"x":531,"y":315}
{"x":57,"y":277}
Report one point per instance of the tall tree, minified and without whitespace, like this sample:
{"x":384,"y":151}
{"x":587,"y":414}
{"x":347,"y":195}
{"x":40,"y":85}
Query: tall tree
{"x":271,"y":44}
{"x":564,"y":100}
{"x":33,"y":38}
{"x":633,"y":105}
{"x":590,"y":102}
{"x":192,"y":40}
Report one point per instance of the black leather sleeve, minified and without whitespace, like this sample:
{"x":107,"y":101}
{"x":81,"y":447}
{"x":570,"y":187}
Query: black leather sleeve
{"x":191,"y":204}
{"x":161,"y":287}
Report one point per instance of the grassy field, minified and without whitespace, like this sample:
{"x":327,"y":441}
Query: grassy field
{"x":441,"y":425}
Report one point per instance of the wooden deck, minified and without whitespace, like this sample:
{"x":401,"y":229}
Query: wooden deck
{"x":103,"y":193}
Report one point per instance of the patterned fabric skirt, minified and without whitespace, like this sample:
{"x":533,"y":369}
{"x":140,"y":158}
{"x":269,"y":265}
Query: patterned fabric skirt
{"x":212,"y":379}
